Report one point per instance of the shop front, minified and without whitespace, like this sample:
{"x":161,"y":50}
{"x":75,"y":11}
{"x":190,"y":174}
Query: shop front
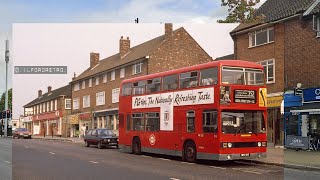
{"x":74,"y":126}
{"x":85,"y":119}
{"x":27,"y":123}
{"x":275,"y":120}
{"x":49,"y":124}
{"x":307,"y":117}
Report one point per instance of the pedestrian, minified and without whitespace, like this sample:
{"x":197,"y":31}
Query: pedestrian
{"x":52,"y":130}
{"x":83,"y":130}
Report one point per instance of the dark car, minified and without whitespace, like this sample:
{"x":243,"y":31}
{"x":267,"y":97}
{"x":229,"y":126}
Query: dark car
{"x":21,"y":132}
{"x":101,"y":138}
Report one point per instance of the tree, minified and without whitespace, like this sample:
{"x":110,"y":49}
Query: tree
{"x":2,"y":100}
{"x":240,"y":11}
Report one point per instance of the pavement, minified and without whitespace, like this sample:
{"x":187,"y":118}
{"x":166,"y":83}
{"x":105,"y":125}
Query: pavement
{"x":279,"y":156}
{"x":5,"y":158}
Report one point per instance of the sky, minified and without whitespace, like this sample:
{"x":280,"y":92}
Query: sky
{"x":102,"y":11}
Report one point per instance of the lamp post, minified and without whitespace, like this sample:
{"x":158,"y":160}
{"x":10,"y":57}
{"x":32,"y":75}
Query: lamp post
{"x":6,"y":98}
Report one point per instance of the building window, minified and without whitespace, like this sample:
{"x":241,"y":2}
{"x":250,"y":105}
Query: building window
{"x":113,"y":75}
{"x":97,"y":81}
{"x":100,"y":100}
{"x":105,"y":78}
{"x":115,"y":95}
{"x":269,"y":70}
{"x":51,"y":106}
{"x":138,"y":121}
{"x":137,"y":68}
{"x":48,"y":107}
{"x":75,"y":103}
{"x":170,"y":82}
{"x":191,"y":121}
{"x":44,"y":107}
{"x":86,"y":101}
{"x":76,"y":87}
{"x":67,"y":104}
{"x":153,"y":85}
{"x":55,"y":105}
{"x":90,"y":82}
{"x":122,"y":73}
{"x":209,"y":76}
{"x":209,"y":121}
{"x":189,"y":79}
{"x":38,"y":109}
{"x":152,"y":121}
{"x":260,"y":37}
{"x":316,"y":25}
{"x":83,"y":84}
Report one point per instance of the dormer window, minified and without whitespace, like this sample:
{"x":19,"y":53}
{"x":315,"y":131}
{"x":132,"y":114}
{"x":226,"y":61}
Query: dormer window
{"x":316,"y":25}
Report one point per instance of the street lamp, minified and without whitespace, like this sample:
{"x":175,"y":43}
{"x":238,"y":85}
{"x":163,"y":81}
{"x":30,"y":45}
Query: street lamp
{"x":7,"y":55}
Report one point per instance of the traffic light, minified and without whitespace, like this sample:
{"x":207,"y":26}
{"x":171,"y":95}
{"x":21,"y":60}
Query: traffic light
{"x":9,"y":113}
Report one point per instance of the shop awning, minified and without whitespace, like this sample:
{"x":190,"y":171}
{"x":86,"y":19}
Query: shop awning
{"x":307,"y":107}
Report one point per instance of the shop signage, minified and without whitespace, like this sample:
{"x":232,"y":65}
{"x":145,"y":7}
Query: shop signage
{"x":297,"y":92}
{"x":74,"y":119}
{"x":274,"y":101}
{"x":297,"y":142}
{"x":36,"y":129}
{"x":245,"y":96}
{"x":311,"y":94}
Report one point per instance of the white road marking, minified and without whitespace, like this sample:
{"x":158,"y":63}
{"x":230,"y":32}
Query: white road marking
{"x":164,"y":159}
{"x":7,"y":162}
{"x":174,"y":179}
{"x":26,"y":147}
{"x":187,"y":163}
{"x":52,"y":153}
{"x":254,"y":171}
{"x":145,"y":156}
{"x":217,"y":167}
{"x":94,"y":162}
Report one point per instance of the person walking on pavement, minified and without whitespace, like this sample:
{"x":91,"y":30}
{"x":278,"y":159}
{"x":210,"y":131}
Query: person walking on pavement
{"x":83,"y":131}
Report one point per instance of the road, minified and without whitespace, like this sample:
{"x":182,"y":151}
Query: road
{"x":5,"y":158}
{"x":47,"y":160}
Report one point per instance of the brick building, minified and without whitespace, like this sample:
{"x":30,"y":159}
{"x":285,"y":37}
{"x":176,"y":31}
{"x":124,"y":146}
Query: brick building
{"x":95,"y":92}
{"x":50,"y":113}
{"x":287,"y":45}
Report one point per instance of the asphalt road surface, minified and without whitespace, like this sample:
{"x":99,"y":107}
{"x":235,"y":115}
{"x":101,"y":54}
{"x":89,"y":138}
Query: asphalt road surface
{"x":5,"y":158}
{"x":46,"y":160}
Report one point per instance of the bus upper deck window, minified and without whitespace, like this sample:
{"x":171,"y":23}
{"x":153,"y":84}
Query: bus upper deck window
{"x":126,"y":89}
{"x":209,"y":76}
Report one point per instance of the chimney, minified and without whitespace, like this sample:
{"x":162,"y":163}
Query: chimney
{"x":124,"y":46}
{"x":74,"y":76}
{"x":168,"y":30}
{"x":94,"y":59}
{"x":39,"y":93}
{"x":49,"y":89}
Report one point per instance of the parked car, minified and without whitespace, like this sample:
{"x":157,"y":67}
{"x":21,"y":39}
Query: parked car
{"x":101,"y":138}
{"x":21,"y":132}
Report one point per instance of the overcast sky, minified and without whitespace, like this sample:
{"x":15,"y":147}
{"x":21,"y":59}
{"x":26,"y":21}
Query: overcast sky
{"x":102,"y":11}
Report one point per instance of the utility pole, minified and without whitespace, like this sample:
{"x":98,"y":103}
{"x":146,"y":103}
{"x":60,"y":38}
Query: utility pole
{"x":6,"y":99}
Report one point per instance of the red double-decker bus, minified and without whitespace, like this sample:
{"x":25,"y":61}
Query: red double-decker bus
{"x":212,"y":111}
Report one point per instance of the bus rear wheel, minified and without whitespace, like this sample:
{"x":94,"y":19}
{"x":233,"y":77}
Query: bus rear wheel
{"x":190,"y":152}
{"x":136,"y":146}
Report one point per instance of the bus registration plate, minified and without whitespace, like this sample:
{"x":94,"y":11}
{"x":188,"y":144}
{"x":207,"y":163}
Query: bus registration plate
{"x":245,"y":155}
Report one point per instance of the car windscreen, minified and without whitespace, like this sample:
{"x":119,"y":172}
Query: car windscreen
{"x":22,"y":129}
{"x":105,"y":132}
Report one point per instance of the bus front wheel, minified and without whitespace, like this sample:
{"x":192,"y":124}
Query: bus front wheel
{"x":190,"y":152}
{"x":136,"y":146}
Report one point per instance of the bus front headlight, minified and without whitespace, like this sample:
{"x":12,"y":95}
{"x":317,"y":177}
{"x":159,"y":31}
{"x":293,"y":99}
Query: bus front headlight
{"x":229,"y":145}
{"x":259,"y":144}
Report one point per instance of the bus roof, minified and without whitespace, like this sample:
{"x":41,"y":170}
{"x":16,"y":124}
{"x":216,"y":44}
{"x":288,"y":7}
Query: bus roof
{"x":233,"y":63}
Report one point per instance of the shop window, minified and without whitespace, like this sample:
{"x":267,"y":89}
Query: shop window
{"x":292,"y":125}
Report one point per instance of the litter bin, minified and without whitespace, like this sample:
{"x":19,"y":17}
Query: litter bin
{"x":9,"y":132}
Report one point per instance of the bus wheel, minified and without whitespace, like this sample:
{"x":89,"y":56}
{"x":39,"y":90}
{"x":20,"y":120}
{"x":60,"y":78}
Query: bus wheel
{"x":136,"y":146}
{"x":190,"y":152}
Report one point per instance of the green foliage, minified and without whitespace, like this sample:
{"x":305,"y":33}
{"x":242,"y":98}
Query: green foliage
{"x":240,"y":11}
{"x":2,"y":100}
